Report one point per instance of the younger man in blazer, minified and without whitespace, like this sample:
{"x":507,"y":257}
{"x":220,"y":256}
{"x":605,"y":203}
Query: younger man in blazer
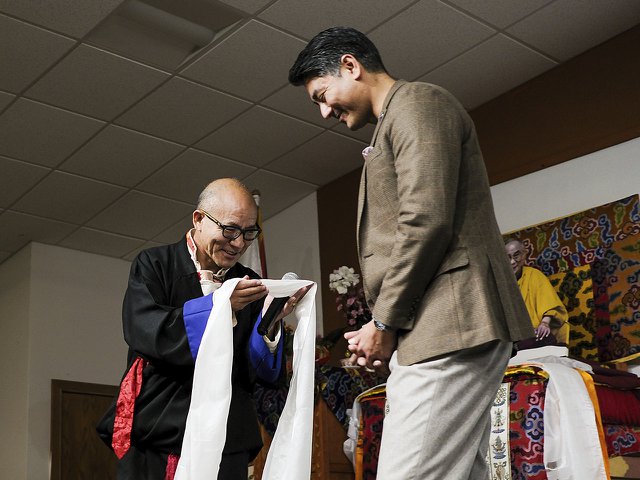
{"x":445,"y":303}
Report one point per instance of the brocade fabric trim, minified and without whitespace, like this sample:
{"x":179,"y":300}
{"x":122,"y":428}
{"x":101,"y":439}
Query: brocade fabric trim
{"x":172,"y":464}
{"x":499,"y":462}
{"x":123,"y":422}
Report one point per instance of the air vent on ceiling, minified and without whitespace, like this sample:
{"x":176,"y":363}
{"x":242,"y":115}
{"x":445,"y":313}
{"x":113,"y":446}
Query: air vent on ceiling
{"x":164,"y":33}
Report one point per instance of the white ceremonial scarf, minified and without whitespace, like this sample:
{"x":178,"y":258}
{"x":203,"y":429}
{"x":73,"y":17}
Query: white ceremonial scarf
{"x":572,"y":449}
{"x":289,"y":456}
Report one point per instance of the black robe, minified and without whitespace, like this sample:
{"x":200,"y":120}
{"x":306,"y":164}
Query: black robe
{"x":161,"y":280}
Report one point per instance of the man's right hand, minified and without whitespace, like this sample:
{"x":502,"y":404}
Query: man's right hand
{"x":543,"y":330}
{"x":246,"y":291}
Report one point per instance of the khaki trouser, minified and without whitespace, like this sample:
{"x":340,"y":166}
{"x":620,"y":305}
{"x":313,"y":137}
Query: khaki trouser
{"x":437,"y":418}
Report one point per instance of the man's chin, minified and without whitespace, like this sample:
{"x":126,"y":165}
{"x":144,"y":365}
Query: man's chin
{"x":355,"y":125}
{"x":227,"y":261}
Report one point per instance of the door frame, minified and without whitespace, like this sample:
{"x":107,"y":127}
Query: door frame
{"x":58,"y":389}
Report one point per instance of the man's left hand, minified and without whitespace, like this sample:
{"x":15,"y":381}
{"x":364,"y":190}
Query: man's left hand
{"x":247,"y":290}
{"x":370,"y":347}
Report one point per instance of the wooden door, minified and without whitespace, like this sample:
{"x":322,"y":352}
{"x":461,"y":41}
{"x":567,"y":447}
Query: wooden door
{"x":77,"y":453}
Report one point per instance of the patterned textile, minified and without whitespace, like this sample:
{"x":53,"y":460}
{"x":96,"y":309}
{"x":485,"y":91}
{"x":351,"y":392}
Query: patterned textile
{"x":526,"y":425}
{"x":269,"y":405}
{"x":172,"y":465}
{"x":498,"y":455}
{"x":123,"y":422}
{"x":575,"y":289}
{"x":371,"y":434}
{"x":593,"y":260}
{"x":339,"y":387}
{"x":622,"y":440}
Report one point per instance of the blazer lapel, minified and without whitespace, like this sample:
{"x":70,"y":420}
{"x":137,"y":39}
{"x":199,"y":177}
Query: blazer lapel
{"x":361,"y":198}
{"x":363,"y":178}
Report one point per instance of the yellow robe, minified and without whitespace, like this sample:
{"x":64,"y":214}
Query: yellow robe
{"x":541,"y":300}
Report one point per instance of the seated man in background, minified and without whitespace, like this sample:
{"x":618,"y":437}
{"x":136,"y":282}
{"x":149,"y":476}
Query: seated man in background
{"x":548,"y":313}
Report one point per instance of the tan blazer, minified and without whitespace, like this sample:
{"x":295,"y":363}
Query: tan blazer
{"x":431,"y":253}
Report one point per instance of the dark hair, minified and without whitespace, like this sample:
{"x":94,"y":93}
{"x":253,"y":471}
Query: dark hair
{"x":322,"y":54}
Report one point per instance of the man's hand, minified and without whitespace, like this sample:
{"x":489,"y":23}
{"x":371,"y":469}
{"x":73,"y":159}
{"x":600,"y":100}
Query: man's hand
{"x":543,"y":330}
{"x":370,"y":347}
{"x":246,"y":291}
{"x":286,"y":310}
{"x":293,"y":301}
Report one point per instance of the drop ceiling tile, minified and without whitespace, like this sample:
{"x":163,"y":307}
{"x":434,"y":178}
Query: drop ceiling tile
{"x":16,"y":178}
{"x":258,"y":136}
{"x":26,"y":52}
{"x":295,"y":101}
{"x":5,"y":99}
{"x":425,"y":36}
{"x":321,"y":160}
{"x":140,"y":215}
{"x":249,"y":6}
{"x":186,"y":176}
{"x":276,"y":191}
{"x":68,"y":198}
{"x":102,"y":243}
{"x":134,"y":253}
{"x":121,"y":156}
{"x":42,"y":134}
{"x":500,"y":13}
{"x":176,"y":232}
{"x":182,"y":111}
{"x":360,"y":14}
{"x":260,"y":69}
{"x":96,"y":83}
{"x":18,"y":229}
{"x":364,"y":134}
{"x":496,"y":66}
{"x":566,"y":28}
{"x":73,"y":17}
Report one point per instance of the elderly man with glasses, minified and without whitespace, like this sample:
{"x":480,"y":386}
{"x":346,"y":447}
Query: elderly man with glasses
{"x":547,"y":312}
{"x":169,"y":289}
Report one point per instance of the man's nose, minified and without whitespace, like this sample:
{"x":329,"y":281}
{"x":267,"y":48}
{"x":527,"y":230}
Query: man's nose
{"x":325,"y":111}
{"x":238,"y":242}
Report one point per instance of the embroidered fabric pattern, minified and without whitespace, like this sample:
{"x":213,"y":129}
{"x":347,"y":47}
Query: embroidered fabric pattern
{"x":172,"y":464}
{"x":123,"y":422}
{"x":372,"y":417}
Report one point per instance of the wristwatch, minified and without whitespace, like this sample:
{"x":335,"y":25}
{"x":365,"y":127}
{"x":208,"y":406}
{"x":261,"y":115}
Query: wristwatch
{"x":382,"y":327}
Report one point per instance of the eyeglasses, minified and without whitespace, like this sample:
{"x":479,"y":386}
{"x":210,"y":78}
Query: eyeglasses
{"x":231,"y":233}
{"x":517,"y":256}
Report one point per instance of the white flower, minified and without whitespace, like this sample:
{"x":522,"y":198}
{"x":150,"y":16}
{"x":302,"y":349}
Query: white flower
{"x":343,"y":278}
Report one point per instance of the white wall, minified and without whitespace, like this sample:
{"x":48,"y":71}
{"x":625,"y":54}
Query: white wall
{"x":570,"y":187}
{"x":292,"y":245}
{"x":14,"y":324}
{"x":68,"y":304}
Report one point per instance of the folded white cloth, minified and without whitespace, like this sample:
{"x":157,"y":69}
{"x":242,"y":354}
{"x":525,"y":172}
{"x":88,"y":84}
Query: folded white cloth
{"x":289,"y":456}
{"x":572,"y":449}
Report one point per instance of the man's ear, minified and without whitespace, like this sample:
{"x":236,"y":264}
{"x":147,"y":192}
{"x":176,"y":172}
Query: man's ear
{"x":197,"y":216}
{"x":351,"y":64}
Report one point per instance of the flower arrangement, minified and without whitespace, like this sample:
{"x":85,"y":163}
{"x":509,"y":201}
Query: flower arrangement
{"x":350,"y":297}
